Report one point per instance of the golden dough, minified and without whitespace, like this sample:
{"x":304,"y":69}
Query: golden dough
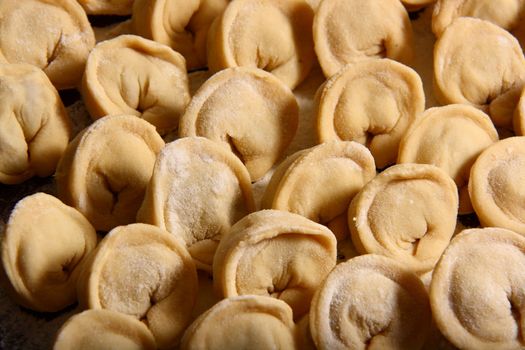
{"x":248,"y":110}
{"x":370,"y":302}
{"x":198,"y":191}
{"x":273,"y":35}
{"x":106,"y":168}
{"x":372,"y":102}
{"x":348,"y":31}
{"x":133,"y":75}
{"x":54,"y":35}
{"x":320,"y":182}
{"x":180,"y":24}
{"x":479,"y":64}
{"x":518,"y":119}
{"x":415,"y":5}
{"x":107,"y":7}
{"x":34,"y":125}
{"x":104,"y":329}
{"x":244,"y":322}
{"x":478,"y":288}
{"x":143,"y":271}
{"x":451,"y":138}
{"x":407,"y":213}
{"x":44,"y":246}
{"x":275,"y":253}
{"x":497,"y":184}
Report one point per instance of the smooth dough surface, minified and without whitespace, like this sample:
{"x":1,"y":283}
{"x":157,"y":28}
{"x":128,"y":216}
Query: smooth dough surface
{"x":497,"y":185}
{"x":104,"y":329}
{"x":370,"y":302}
{"x":451,"y":138}
{"x":44,"y":245}
{"x":143,"y":271}
{"x":248,"y":110}
{"x":136,"y":76}
{"x":198,"y":191}
{"x":107,"y":7}
{"x":54,"y":35}
{"x":479,"y":64}
{"x":106,"y":168}
{"x":34,"y":125}
{"x":275,"y":253}
{"x":407,"y":213}
{"x":181,"y":24}
{"x":478,"y":288}
{"x":273,"y":35}
{"x":348,"y":31}
{"x":243,"y":322}
{"x":372,"y":102}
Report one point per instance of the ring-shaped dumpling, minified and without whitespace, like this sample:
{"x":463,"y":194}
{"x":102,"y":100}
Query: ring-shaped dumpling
{"x":54,"y":35}
{"x":106,"y":168}
{"x":44,"y":245}
{"x":136,"y":76}
{"x":143,"y":271}
{"x":275,"y":253}
{"x":198,"y":190}
{"x":477,"y":291}
{"x":248,"y":110}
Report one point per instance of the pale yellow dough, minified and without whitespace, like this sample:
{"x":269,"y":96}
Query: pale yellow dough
{"x":415,"y":5}
{"x":372,"y":102}
{"x":273,"y":35}
{"x":133,"y":75}
{"x":34,"y":125}
{"x":407,"y":213}
{"x":275,"y":253}
{"x":104,"y":329}
{"x":479,"y":64}
{"x":180,"y":24}
{"x":244,"y":322}
{"x":320,"y":182}
{"x":44,"y":245}
{"x":478,"y":288}
{"x":198,"y":190}
{"x":107,"y":7}
{"x":497,"y":184}
{"x":349,"y":31}
{"x":54,"y":35}
{"x":248,"y":110}
{"x":518,"y":119}
{"x":106,"y":168}
{"x":143,"y":271}
{"x":451,"y":138}
{"x":370,"y":302}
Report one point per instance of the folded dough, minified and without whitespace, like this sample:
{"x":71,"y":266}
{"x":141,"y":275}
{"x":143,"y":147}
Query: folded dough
{"x":106,"y":168}
{"x":143,"y":271}
{"x":133,"y":75}
{"x":451,"y":138}
{"x":34,"y":125}
{"x":248,"y":110}
{"x":198,"y":191}
{"x":54,"y":35}
{"x":107,"y":7}
{"x":407,"y":213}
{"x":320,"y":182}
{"x":478,"y":290}
{"x":370,"y":302}
{"x":273,"y":35}
{"x":244,"y":322}
{"x":518,"y":118}
{"x":348,"y":31}
{"x":372,"y":102}
{"x":44,"y":245}
{"x":275,"y":253}
{"x":496,"y":185}
{"x":492,"y":81}
{"x":104,"y":329}
{"x":180,"y":24}
{"x":416,"y":5}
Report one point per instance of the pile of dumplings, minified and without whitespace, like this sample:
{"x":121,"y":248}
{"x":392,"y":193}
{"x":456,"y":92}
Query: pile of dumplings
{"x":225,"y":218}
